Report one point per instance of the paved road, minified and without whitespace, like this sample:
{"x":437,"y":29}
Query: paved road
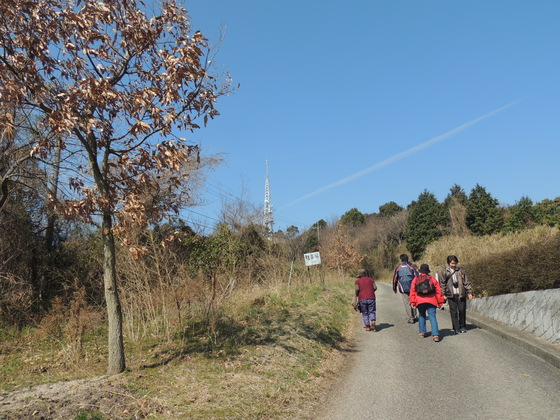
{"x":394,"y":374}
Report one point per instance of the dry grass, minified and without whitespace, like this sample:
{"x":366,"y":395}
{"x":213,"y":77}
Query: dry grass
{"x":499,"y":264}
{"x":470,"y":249}
{"x":264,"y":354}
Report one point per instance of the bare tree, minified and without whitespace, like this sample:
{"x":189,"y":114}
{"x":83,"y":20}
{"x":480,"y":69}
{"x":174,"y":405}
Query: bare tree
{"x":239,"y":212}
{"x":18,"y":169}
{"x":340,"y":251}
{"x":112,"y":83}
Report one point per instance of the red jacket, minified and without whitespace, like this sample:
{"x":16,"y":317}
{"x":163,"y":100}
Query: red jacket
{"x":436,"y":299}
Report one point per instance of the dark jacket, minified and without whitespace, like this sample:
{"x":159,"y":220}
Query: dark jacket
{"x":397,"y":280}
{"x":446,"y":282}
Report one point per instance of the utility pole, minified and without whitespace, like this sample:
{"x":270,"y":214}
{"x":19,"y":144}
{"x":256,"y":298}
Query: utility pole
{"x":268,"y":220}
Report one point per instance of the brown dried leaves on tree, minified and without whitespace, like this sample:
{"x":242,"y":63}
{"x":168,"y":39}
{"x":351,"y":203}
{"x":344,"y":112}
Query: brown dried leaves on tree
{"x":340,"y":252}
{"x":109,"y":84}
{"x":114,"y":83}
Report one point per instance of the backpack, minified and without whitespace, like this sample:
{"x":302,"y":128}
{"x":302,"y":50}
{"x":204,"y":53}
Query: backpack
{"x":425,"y":287}
{"x":406,"y":274}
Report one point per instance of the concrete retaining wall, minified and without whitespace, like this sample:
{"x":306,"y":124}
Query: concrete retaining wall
{"x":536,"y":312}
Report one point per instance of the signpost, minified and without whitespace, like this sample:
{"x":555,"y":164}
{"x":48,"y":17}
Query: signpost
{"x":311,"y":258}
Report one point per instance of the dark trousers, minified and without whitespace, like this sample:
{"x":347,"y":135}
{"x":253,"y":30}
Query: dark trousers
{"x":458,"y":312}
{"x":367,"y":308}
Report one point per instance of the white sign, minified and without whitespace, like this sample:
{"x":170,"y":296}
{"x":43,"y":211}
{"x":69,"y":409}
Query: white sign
{"x":313,"y":258}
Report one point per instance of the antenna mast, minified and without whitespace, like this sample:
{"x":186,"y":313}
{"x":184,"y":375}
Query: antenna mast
{"x":268,"y":220}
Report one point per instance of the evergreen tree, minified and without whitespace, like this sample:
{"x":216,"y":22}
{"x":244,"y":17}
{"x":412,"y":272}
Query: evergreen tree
{"x":521,"y":216}
{"x":547,"y":212}
{"x":313,"y":236}
{"x":483,"y":215}
{"x":425,"y":219}
{"x":456,"y":195}
{"x":292,"y":231}
{"x":353,"y":217}
{"x":311,"y":241}
{"x":389,"y":209}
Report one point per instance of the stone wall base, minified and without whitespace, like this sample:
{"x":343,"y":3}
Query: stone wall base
{"x":537,"y":312}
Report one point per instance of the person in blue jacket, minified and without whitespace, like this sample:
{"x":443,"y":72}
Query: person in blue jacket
{"x":402,"y":279}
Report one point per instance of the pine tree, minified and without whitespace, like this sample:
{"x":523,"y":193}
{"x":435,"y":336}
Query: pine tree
{"x":426,"y":218}
{"x":353,"y":217}
{"x":389,"y":209}
{"x":547,"y":212}
{"x":521,"y":216}
{"x":456,"y":195}
{"x":484,"y":217}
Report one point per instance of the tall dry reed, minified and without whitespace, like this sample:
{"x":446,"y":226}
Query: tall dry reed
{"x":499,"y":263}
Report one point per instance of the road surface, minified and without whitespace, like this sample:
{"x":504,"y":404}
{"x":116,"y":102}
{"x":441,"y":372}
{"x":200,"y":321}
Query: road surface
{"x":394,"y":374}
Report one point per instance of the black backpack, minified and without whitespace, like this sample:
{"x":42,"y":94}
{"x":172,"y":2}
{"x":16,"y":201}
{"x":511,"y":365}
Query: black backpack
{"x":425,"y":286}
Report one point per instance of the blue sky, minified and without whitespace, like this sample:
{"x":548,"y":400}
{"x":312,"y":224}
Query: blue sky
{"x":358,"y":103}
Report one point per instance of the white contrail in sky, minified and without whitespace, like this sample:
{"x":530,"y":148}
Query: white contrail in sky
{"x":404,"y":154}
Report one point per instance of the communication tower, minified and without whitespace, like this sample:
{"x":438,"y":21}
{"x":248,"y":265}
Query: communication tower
{"x":268,"y":220}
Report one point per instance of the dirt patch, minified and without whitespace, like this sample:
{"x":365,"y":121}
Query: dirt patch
{"x":65,"y":400}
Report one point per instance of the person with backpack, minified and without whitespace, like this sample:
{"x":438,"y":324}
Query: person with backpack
{"x":365,"y":288}
{"x":425,"y":294}
{"x":402,"y":279}
{"x":456,"y":287}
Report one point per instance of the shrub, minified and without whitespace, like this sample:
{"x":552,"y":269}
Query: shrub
{"x":498,"y":264}
{"x":530,"y":267}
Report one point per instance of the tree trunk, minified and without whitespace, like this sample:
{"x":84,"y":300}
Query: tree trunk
{"x":51,"y":215}
{"x":116,"y":362}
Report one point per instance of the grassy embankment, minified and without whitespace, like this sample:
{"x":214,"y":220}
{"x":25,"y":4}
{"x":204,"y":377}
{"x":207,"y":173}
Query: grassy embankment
{"x":267,"y":353}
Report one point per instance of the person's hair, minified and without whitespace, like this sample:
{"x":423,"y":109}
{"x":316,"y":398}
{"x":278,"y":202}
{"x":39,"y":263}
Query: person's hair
{"x":404,"y":258}
{"x":452,"y":258}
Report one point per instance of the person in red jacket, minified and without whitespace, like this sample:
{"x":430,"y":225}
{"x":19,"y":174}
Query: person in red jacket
{"x":425,"y":294}
{"x":365,"y":288}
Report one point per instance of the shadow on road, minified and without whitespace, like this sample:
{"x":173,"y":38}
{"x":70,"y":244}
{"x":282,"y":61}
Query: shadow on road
{"x":448,"y":332}
{"x":383,"y":326}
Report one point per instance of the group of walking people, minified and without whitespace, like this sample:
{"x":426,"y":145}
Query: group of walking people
{"x":422,"y":295}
